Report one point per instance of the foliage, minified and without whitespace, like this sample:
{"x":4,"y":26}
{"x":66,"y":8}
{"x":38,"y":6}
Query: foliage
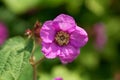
{"x":14,"y":55}
{"x":91,"y":64}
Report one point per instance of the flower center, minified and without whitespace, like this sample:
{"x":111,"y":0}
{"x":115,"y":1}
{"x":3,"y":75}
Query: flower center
{"x":62,"y":38}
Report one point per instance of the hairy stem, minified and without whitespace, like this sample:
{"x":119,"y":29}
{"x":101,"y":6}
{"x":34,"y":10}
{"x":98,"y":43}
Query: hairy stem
{"x":34,"y":72}
{"x":35,"y":63}
{"x":33,"y":50}
{"x":40,"y":60}
{"x":32,"y":61}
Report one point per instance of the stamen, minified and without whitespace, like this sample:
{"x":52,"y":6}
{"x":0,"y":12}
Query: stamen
{"x":62,"y":38}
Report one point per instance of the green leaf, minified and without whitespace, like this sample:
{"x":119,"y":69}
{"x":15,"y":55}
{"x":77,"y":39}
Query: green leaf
{"x":21,"y":6}
{"x":98,"y":7}
{"x":74,"y":6}
{"x":14,"y":55}
{"x":27,"y":74}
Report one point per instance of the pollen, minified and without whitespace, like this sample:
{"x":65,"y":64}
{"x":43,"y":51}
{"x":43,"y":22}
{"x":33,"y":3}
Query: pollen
{"x":62,"y":38}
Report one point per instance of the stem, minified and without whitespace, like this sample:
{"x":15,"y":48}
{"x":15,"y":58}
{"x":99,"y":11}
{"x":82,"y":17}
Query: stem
{"x":35,"y":63}
{"x":34,"y":46}
{"x":40,"y":60}
{"x":32,"y":61}
{"x":34,"y":72}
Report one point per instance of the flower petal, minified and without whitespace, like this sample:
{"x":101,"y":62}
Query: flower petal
{"x":58,"y":78}
{"x":47,"y":32}
{"x":66,"y":27}
{"x":3,"y":33}
{"x":68,"y":54}
{"x":64,"y":18}
{"x":56,"y":25}
{"x":78,"y":37}
{"x":50,"y":50}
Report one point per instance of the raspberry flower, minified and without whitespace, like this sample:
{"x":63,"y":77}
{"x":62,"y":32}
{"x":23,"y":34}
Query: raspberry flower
{"x":100,"y":36}
{"x":58,"y":78}
{"x":62,"y":38}
{"x":3,"y":33}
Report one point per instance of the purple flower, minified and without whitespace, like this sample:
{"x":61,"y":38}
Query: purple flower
{"x":100,"y":36}
{"x":3,"y":33}
{"x":62,"y":38}
{"x":58,"y":78}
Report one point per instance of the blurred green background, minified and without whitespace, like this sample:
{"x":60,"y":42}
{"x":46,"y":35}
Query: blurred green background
{"x":98,"y":60}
